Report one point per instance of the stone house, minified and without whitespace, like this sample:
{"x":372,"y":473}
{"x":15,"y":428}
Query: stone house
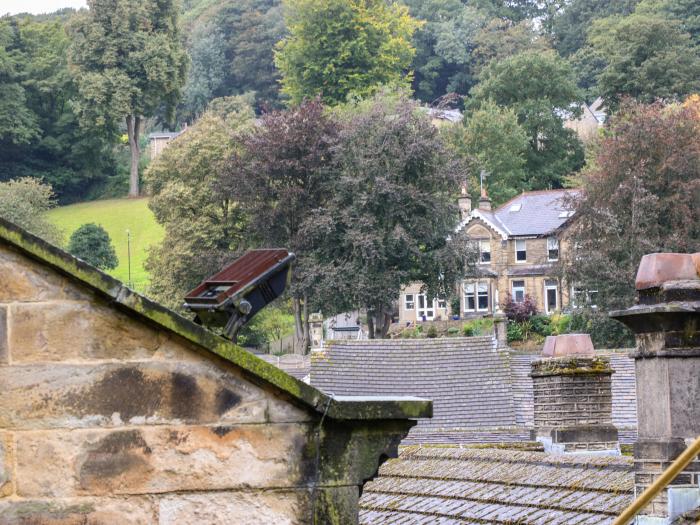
{"x":519,"y":246}
{"x":115,"y":409}
{"x":591,"y":120}
{"x":159,"y":141}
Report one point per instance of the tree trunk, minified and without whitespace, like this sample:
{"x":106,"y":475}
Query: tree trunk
{"x":301,"y":323}
{"x":133,"y":123}
{"x":370,"y":324}
{"x":307,"y":338}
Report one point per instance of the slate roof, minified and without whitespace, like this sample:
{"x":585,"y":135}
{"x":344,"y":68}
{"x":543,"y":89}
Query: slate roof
{"x":459,"y":374}
{"x":449,"y":485}
{"x":530,"y":213}
{"x":480,"y":393}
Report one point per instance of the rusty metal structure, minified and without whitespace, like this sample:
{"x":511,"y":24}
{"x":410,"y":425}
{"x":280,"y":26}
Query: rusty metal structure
{"x":231,"y":297}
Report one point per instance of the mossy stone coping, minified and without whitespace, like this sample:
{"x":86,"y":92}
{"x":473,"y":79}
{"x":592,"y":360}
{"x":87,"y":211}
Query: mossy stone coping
{"x":570,"y":365}
{"x":257,"y":370}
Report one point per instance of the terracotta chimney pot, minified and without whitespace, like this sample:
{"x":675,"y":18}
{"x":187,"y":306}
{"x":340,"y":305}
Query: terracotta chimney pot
{"x":568,"y":344}
{"x":656,"y":269}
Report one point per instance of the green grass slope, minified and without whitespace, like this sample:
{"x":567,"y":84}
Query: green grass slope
{"x":116,"y":216}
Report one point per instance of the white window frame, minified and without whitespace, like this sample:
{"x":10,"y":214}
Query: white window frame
{"x":428,"y":308}
{"x":557,"y":298}
{"x":577,"y":291}
{"x":442,"y":304}
{"x":482,"y":243}
{"x":514,"y":289}
{"x":553,"y":241}
{"x":411,"y":301}
{"x":472,"y":289}
{"x":524,"y":241}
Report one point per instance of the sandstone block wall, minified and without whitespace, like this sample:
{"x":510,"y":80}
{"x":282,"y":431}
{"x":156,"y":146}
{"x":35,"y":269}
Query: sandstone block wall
{"x":105,"y":419}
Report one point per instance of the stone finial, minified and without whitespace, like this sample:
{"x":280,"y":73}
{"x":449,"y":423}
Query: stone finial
{"x":655,"y":269}
{"x":568,"y":344}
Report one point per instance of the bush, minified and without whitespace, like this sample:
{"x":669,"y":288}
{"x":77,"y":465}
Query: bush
{"x":477,"y":327}
{"x":541,"y":325}
{"x":514,"y":332}
{"x":432,"y":332}
{"x":92,"y":244}
{"x":604,"y":331}
{"x":452,"y":330}
{"x":520,"y":312}
{"x":560,"y":323}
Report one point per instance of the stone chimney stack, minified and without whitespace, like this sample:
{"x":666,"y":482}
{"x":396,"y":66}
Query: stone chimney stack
{"x":484,"y":201}
{"x":665,"y":321}
{"x":573,"y":397}
{"x":465,"y":203}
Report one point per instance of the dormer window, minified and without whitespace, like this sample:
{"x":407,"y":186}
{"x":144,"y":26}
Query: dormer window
{"x":485,"y":251}
{"x":520,"y":250}
{"x":552,"y":249}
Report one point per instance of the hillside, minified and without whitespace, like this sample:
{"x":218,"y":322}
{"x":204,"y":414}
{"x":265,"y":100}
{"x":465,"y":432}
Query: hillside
{"x":116,"y":216}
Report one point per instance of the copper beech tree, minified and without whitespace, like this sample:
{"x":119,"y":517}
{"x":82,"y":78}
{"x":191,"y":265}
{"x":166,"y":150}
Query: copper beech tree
{"x":640,"y":196}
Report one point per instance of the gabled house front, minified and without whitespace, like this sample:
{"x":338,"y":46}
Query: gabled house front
{"x":519,"y":246}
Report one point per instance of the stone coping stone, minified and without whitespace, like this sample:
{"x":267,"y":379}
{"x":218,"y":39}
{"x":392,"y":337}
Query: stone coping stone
{"x":255,"y":368}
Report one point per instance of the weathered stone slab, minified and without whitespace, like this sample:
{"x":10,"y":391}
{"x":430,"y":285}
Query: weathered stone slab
{"x":25,"y":280}
{"x":3,"y":335}
{"x":5,"y":464}
{"x":79,"y":511}
{"x":243,"y":508}
{"x":115,"y":394}
{"x":162,"y":459}
{"x":59,"y":331}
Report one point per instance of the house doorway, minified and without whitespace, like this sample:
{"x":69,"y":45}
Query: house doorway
{"x":426,"y":308}
{"x":551,"y":296}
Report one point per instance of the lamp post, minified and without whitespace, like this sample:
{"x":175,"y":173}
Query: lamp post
{"x":128,"y":256}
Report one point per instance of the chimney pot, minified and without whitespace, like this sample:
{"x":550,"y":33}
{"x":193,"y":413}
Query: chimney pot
{"x":656,"y":269}
{"x":568,"y":344}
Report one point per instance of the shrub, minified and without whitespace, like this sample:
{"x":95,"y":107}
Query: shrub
{"x":560,"y":323}
{"x":455,"y":305}
{"x":432,"y":332}
{"x":514,"y":332}
{"x":520,"y":312}
{"x":452,"y":330}
{"x":541,"y":325}
{"x":92,"y":244}
{"x":477,"y":327}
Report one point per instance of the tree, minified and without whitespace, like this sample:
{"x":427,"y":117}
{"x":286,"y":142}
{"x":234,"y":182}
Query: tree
{"x":203,"y":229}
{"x":647,"y":57}
{"x":92,"y":244}
{"x":492,"y":140}
{"x":279,"y":177}
{"x":500,"y":39}
{"x":639,"y":196}
{"x":337,"y":48}
{"x":540,"y":88}
{"x":389,"y":210}
{"x":18,"y":124}
{"x":128,"y":62}
{"x":70,"y":157}
{"x":24,"y":203}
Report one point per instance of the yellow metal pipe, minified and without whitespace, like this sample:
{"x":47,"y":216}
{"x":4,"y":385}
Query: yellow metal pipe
{"x":661,"y":482}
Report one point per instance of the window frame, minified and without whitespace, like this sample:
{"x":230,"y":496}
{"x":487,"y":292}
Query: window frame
{"x":412,"y":302}
{"x":482,"y":252}
{"x":514,"y":289}
{"x":465,"y":286}
{"x":479,"y":295}
{"x":515,"y":244}
{"x":550,"y":284}
{"x":549,"y":250}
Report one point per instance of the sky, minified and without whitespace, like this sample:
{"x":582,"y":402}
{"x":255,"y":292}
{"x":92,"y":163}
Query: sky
{"x":37,"y":6}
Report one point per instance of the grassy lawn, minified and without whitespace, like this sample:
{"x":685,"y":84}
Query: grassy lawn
{"x":116,"y":216}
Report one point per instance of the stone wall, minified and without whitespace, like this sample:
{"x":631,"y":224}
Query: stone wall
{"x":106,"y":418}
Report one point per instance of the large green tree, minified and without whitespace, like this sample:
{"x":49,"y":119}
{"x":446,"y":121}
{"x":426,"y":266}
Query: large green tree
{"x":646,"y":57}
{"x":70,"y":157}
{"x":639,"y":196}
{"x":491,"y":140}
{"x":337,"y":48}
{"x":389,"y":209}
{"x":128,"y":62}
{"x":203,"y":227}
{"x":541,"y":89}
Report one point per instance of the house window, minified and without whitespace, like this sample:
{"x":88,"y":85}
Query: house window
{"x":469,"y":298}
{"x":552,"y":249}
{"x":551,"y":296}
{"x":476,"y":296}
{"x":482,"y":303}
{"x":581,"y":297}
{"x":409,"y":301}
{"x":520,"y":250}
{"x":485,"y":251}
{"x":442,"y":304}
{"x":518,"y":288}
